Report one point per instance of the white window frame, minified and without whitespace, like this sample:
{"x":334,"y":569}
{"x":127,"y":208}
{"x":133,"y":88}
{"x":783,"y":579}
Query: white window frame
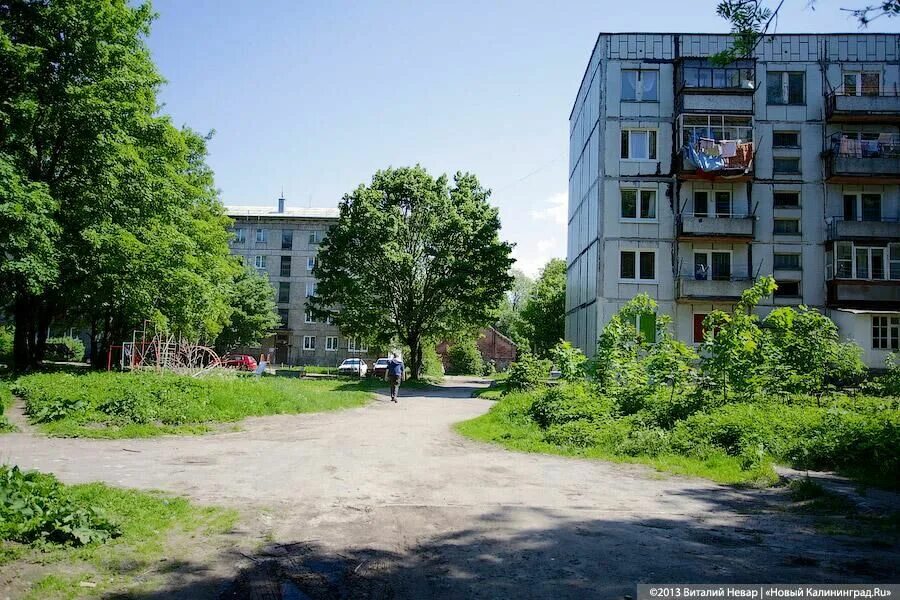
{"x":857,"y":75}
{"x":308,"y":318}
{"x":708,"y":252}
{"x":893,"y":264}
{"x":240,"y":235}
{"x":310,"y":262}
{"x":859,"y":206}
{"x":637,"y":265}
{"x":310,"y":289}
{"x":638,"y":85}
{"x":314,"y":237}
{"x":638,"y":203}
{"x":260,"y":261}
{"x":331,"y":343}
{"x":262,"y":235}
{"x":888,"y":261}
{"x":870,"y":262}
{"x":888,"y":332}
{"x":355,"y":347}
{"x":785,"y":88}
{"x":647,"y":130}
{"x":309,"y":342}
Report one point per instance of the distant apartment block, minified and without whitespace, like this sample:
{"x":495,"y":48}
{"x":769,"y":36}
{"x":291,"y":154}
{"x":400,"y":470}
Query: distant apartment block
{"x":688,"y":181}
{"x":283,"y":244}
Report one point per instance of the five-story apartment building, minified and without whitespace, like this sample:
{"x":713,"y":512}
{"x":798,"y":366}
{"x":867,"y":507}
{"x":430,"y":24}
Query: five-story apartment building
{"x":688,"y":180}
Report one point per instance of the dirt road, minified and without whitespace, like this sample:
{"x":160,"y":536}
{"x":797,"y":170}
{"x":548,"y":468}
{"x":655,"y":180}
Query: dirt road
{"x":387,"y":501}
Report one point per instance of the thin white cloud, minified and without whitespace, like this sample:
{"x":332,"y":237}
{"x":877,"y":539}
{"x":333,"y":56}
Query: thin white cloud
{"x":555,"y":210}
{"x":533,"y":252}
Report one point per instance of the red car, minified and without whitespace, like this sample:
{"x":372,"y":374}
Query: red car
{"x":243,"y":362}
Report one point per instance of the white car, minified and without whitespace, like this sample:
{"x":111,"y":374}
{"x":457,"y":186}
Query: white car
{"x":353,"y":366}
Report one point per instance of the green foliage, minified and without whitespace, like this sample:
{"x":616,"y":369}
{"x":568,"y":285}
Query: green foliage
{"x":253,"y":314}
{"x":65,"y":349}
{"x":510,"y":321}
{"x":889,"y":383}
{"x":570,"y":361}
{"x":545,"y":310}
{"x":6,"y":345}
{"x":749,"y":20}
{"x":432,"y":367}
{"x":465,"y":357}
{"x":434,"y":262}
{"x":527,"y":373}
{"x":570,"y":402}
{"x":102,"y":404}
{"x":36,"y":509}
{"x":6,"y":399}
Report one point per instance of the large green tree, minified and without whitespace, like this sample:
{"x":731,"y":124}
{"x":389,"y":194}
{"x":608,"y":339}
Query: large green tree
{"x":132,"y":227}
{"x":411,"y":258}
{"x":545,"y":309}
{"x":509,"y":318}
{"x":254,"y":311}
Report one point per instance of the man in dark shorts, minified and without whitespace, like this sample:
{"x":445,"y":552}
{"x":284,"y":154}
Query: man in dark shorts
{"x":394,"y":374}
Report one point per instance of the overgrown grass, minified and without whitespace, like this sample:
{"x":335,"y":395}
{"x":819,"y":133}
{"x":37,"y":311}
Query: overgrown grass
{"x":152,"y":526}
{"x":496,"y":391}
{"x":732,"y":443}
{"x":122,"y":405}
{"x":6,"y":398}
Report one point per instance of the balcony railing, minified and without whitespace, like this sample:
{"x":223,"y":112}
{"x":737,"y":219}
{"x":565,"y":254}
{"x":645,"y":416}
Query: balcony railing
{"x":704,"y":284}
{"x":699,"y":75}
{"x":720,"y":144}
{"x":728,"y":225}
{"x":863,"y":105}
{"x":852,"y":160}
{"x":882,"y":228}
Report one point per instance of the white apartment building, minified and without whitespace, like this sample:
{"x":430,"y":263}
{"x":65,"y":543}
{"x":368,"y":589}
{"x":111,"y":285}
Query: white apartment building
{"x":687,"y":181}
{"x":282,"y":243}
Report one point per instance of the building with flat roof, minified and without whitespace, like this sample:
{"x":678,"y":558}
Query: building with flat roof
{"x":283,"y":243}
{"x":689,"y":180}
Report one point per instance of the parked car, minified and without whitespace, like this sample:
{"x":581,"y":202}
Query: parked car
{"x":380,"y":367}
{"x":353,"y":366}
{"x":242,"y":362}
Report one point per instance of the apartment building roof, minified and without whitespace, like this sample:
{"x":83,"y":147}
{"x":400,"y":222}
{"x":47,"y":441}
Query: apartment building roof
{"x":267,"y":212}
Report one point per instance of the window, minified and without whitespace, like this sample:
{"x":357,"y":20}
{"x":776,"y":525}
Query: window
{"x":631,"y":208}
{"x":637,"y":265}
{"x":260,"y":262}
{"x":640,"y":86}
{"x":894,"y":261}
{"x":309,"y":342}
{"x":721,"y":203}
{"x":287,"y":239}
{"x":787,"y":226}
{"x":639,"y":144}
{"x":284,"y":291}
{"x":308,"y":318}
{"x":311,"y":262}
{"x":240,"y":235}
{"x":285,"y":266}
{"x":787,"y":261}
{"x":787,"y":199}
{"x":310,"y":288}
{"x":784,"y":87}
{"x":698,"y":327}
{"x":862,"y":84}
{"x":886,"y":333}
{"x":862,"y":207}
{"x":869,"y":262}
{"x":786,"y":165}
{"x":844,"y":260}
{"x":705,"y":76}
{"x":261,"y":235}
{"x":355,"y":346}
{"x":331,"y":343}
{"x":701,"y":204}
{"x":712,"y":265}
{"x":329,"y":320}
{"x":314,"y":237}
{"x":283,"y":317}
{"x":785,"y":139}
{"x":788,"y":289}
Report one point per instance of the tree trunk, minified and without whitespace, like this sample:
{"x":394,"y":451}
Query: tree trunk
{"x":415,"y":356}
{"x":30,"y":337}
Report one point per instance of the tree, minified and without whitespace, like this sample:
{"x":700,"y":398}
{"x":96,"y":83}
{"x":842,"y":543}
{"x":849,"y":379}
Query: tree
{"x":253,"y":311}
{"x":509,"y":321}
{"x":465,"y":357}
{"x":412,"y":258}
{"x":545,"y":310}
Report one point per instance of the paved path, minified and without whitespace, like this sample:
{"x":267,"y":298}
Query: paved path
{"x":387,"y":501}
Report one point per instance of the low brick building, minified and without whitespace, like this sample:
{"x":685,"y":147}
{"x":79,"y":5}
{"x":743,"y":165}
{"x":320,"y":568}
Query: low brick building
{"x":493,"y":345}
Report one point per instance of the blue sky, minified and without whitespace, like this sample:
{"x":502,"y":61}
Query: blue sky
{"x":313,"y":97}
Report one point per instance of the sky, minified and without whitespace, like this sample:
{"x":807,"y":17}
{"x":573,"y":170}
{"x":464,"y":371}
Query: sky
{"x":313,"y":97}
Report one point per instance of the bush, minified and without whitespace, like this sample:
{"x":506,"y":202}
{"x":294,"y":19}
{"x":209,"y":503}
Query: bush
{"x":570,"y":361}
{"x":65,"y":349}
{"x":527,"y":373}
{"x":35,"y":509}
{"x":574,"y":434}
{"x":845,"y":367}
{"x":6,"y":344}
{"x":569,"y":402}
{"x":465,"y":358}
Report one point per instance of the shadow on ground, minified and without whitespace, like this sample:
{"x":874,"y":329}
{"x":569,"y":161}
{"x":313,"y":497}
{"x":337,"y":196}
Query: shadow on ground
{"x":522,"y":552}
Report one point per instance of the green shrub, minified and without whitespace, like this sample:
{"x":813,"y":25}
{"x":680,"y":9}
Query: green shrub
{"x":574,"y":434}
{"x":6,"y":344}
{"x":664,"y":409}
{"x":65,"y":349}
{"x":465,"y":358}
{"x":569,"y":402}
{"x":570,"y":361}
{"x":845,"y":367}
{"x":644,"y":441}
{"x":527,"y":373}
{"x":35,"y":509}
{"x":432,"y":367}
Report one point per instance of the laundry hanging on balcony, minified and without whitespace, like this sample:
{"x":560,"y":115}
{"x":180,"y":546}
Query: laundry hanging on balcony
{"x":710,"y":155}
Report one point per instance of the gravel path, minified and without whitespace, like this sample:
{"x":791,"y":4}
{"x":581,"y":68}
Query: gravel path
{"x":387,"y":501}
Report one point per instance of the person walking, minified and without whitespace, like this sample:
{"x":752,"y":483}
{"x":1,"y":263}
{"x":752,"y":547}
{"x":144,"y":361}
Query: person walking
{"x":394,"y":373}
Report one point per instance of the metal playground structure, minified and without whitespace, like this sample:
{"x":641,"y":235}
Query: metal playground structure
{"x":161,"y":351}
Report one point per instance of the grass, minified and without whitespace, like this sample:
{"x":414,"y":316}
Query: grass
{"x":127,"y":405}
{"x":6,"y":399}
{"x":496,"y":391}
{"x":156,"y":529}
{"x":505,"y":425}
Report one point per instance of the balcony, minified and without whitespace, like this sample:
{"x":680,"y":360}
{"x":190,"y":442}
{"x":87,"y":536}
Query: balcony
{"x":838,"y":228}
{"x":863,"y":293}
{"x":716,"y":147}
{"x":871,"y":106}
{"x":695,"y":288}
{"x":717,"y":227}
{"x":850,"y":159}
